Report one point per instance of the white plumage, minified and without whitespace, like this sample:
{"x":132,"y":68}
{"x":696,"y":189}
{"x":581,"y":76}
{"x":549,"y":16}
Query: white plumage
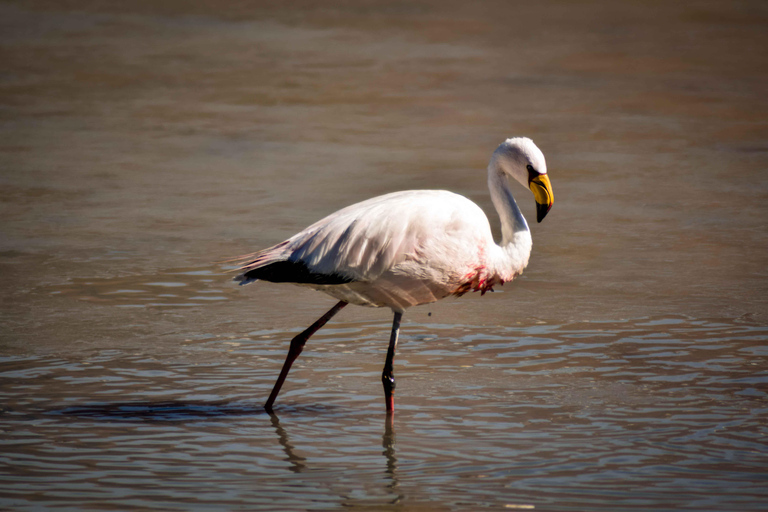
{"x":408,"y":248}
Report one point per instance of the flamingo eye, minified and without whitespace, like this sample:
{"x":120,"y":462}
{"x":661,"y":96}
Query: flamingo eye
{"x":531,"y":173}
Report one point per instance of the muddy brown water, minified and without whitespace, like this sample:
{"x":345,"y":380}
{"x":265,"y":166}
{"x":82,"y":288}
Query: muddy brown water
{"x":142,"y":144}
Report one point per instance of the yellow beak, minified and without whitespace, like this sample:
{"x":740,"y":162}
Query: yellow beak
{"x":542,"y":193}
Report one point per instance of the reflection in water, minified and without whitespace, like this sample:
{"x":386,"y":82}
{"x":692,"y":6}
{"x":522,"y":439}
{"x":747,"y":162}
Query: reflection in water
{"x":388,"y":442}
{"x":297,"y":463}
{"x":198,"y":412}
{"x":489,"y":416}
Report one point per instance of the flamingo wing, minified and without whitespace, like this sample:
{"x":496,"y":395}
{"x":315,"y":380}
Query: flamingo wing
{"x":415,"y":231}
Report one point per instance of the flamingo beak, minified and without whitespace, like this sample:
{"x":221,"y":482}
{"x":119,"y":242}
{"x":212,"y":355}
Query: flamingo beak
{"x":542,"y":193}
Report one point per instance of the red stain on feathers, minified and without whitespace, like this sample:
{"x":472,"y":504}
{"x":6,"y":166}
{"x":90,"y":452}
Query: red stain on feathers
{"x":477,"y":281}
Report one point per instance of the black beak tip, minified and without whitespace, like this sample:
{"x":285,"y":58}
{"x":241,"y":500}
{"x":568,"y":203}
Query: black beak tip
{"x":541,"y":211}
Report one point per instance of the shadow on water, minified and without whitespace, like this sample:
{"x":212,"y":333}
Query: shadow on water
{"x":169,"y":410}
{"x":180,"y":410}
{"x":191,"y":410}
{"x":187,"y":410}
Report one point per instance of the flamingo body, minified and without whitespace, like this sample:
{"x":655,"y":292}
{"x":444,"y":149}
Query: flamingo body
{"x":397,"y":250}
{"x":407,"y":248}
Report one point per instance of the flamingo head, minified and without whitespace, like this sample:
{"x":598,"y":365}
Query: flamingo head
{"x":521,"y":159}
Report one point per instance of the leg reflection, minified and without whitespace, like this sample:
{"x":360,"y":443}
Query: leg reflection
{"x":388,"y":442}
{"x":390,"y":485}
{"x":297,"y":464}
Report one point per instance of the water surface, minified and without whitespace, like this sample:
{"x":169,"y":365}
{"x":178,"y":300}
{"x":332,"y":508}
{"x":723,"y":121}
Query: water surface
{"x":143,"y":144}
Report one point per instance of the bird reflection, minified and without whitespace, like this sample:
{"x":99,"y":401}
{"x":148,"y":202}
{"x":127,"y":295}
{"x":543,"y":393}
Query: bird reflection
{"x":298,"y":464}
{"x":388,"y":442}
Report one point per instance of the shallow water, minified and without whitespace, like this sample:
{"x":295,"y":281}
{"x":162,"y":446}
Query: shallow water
{"x":627,"y":369}
{"x":655,"y":413}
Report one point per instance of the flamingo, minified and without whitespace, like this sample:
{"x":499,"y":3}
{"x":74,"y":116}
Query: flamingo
{"x":408,"y":248}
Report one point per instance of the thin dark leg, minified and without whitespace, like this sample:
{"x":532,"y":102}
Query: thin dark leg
{"x":297,"y":345}
{"x":387,"y":378}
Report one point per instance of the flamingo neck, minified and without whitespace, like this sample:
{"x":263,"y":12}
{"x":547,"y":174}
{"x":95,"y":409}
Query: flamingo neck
{"x":512,"y":220}
{"x":516,"y":242}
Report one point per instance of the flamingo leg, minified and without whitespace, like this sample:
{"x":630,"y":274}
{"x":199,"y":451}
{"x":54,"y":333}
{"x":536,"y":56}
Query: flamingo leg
{"x":387,"y":377}
{"x":297,"y":345}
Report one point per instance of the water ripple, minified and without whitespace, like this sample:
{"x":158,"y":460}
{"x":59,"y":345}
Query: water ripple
{"x":657,"y":413}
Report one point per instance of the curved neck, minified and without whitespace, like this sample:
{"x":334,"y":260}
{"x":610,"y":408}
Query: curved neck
{"x":512,"y":220}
